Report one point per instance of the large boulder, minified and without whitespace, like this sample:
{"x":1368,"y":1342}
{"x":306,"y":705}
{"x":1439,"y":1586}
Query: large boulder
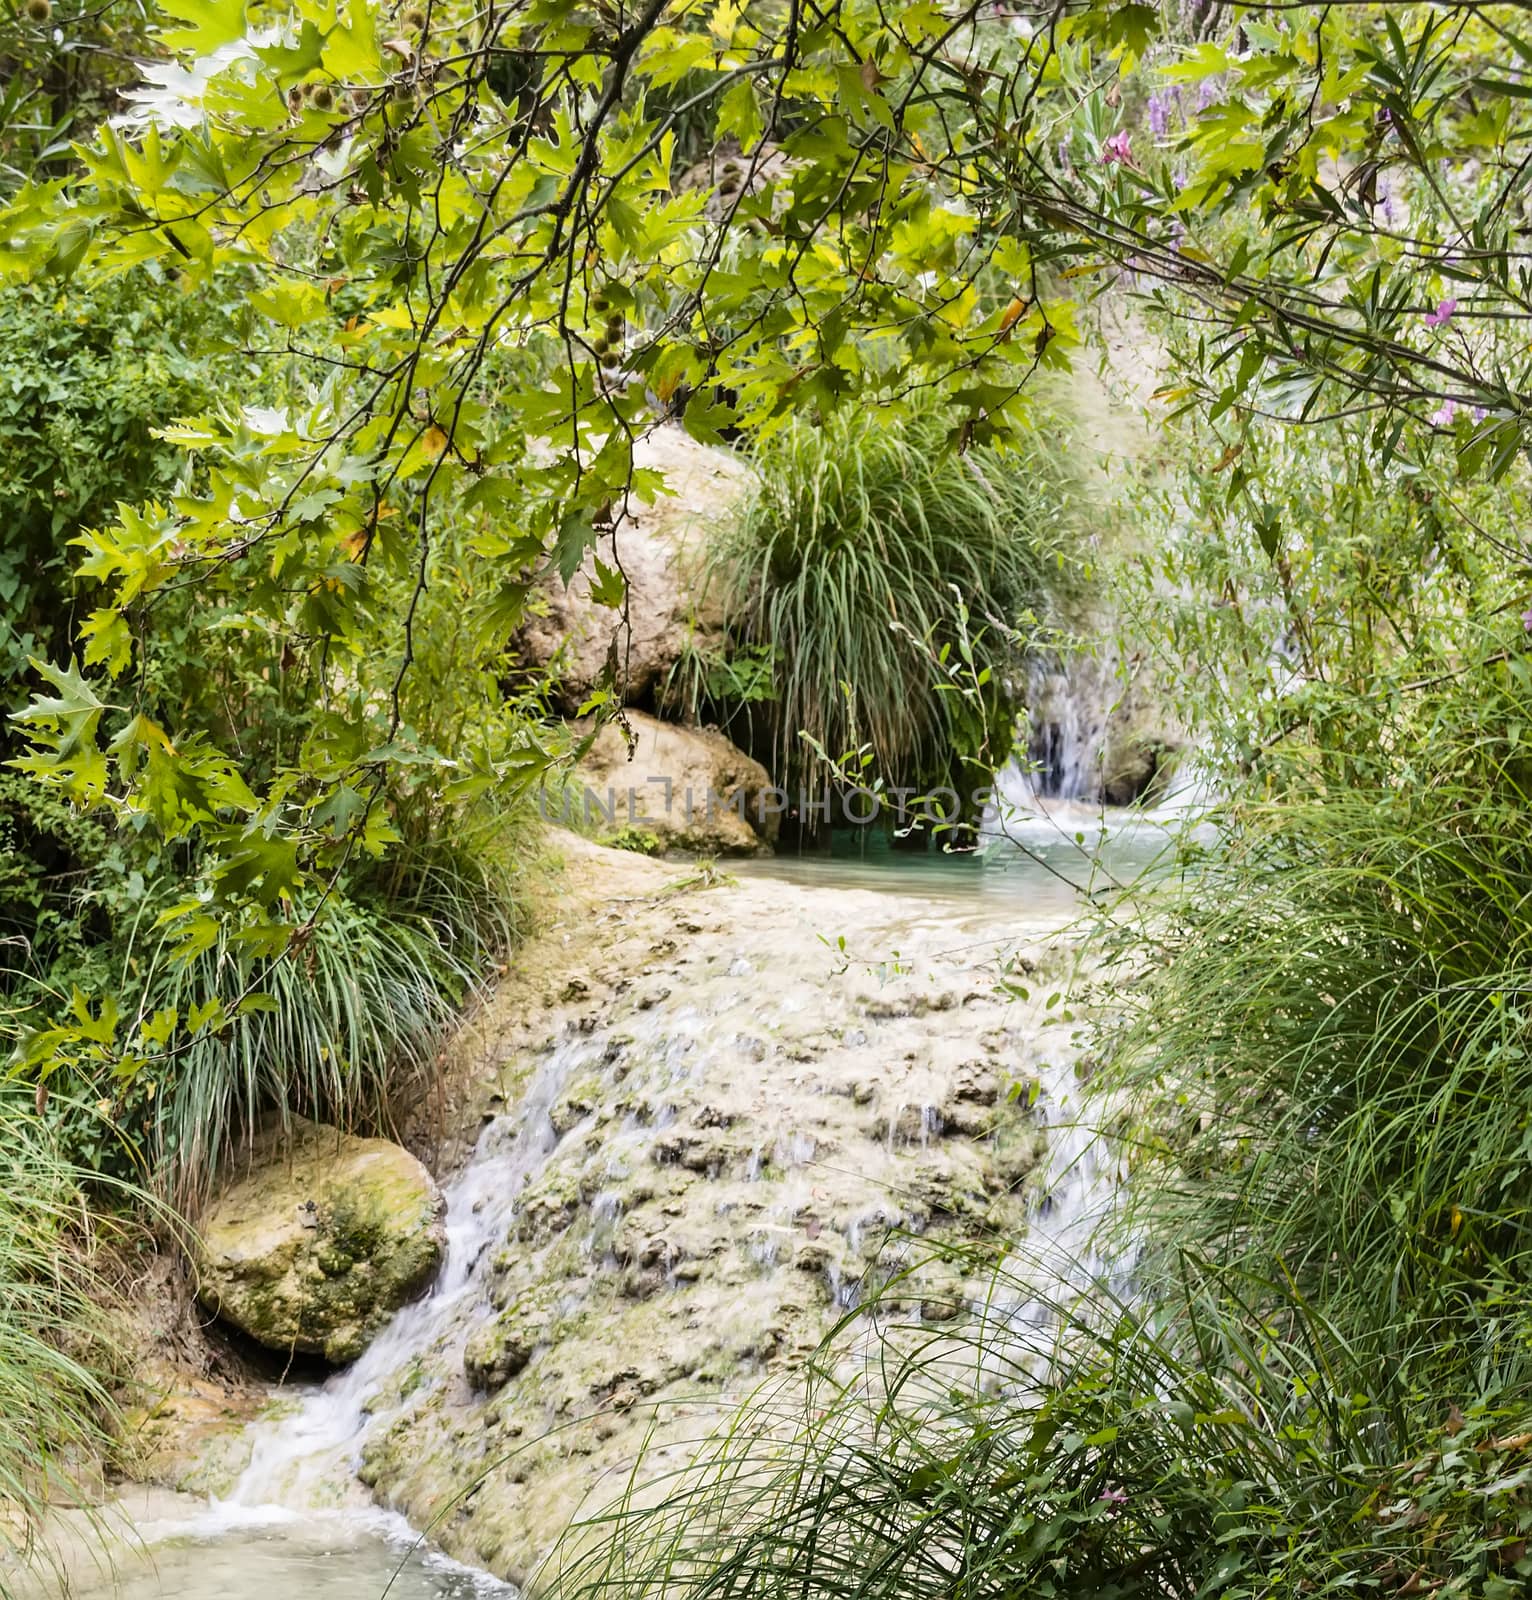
{"x":659,"y":546}
{"x":320,"y":1241}
{"x":683,"y":789}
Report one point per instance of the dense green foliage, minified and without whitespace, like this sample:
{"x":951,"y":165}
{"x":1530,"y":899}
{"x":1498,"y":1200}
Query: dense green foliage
{"x":56,"y":1365}
{"x":86,"y":376}
{"x":480,"y":263}
{"x":860,"y":560}
{"x":90,"y":381}
{"x":463,"y":262}
{"x":922,"y":193}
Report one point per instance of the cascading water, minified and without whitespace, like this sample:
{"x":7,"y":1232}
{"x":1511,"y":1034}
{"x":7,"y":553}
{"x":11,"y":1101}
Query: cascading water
{"x":1066,"y":731}
{"x":294,"y":1460}
{"x":725,"y":1154}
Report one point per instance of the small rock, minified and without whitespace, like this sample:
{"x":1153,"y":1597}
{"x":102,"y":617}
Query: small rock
{"x":494,"y":1355}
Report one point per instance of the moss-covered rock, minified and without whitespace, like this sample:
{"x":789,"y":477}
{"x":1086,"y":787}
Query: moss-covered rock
{"x":500,"y":1349}
{"x":1137,"y":767}
{"x":319,"y":1241}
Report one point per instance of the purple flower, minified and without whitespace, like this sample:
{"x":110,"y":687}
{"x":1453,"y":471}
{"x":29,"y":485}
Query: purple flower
{"x":1209,"y":91}
{"x":1443,"y":417}
{"x":1442,"y":315}
{"x":1526,"y":620}
{"x":1160,"y":106}
{"x":1113,"y":1497}
{"x":1118,"y":148}
{"x":1478,"y":413}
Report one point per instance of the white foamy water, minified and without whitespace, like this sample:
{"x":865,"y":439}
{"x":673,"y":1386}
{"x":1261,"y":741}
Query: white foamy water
{"x":176,"y":1548}
{"x":300,"y":1459}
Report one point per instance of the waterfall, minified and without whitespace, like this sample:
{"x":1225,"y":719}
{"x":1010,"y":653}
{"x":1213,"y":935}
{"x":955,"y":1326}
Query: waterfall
{"x":295,"y":1459}
{"x":758,"y":1149}
{"x":1067,"y":717}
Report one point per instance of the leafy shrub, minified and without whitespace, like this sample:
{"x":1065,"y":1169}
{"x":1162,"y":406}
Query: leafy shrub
{"x":639,"y":840}
{"x":69,"y":887}
{"x":343,"y":1026}
{"x":86,"y":375}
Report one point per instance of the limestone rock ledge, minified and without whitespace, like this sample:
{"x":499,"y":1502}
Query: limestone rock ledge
{"x":658,"y":545}
{"x":683,"y":789}
{"x":721,"y":1137}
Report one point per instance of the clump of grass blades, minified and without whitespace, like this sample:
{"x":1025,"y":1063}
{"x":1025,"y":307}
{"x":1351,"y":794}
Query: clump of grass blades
{"x":1183,"y":1452}
{"x":851,"y":562}
{"x":1330,"y":1067}
{"x":352,"y":1023}
{"x":56,"y":1409}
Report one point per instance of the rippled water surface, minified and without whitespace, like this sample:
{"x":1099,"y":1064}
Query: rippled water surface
{"x":213,"y":1555}
{"x":1042,"y":861}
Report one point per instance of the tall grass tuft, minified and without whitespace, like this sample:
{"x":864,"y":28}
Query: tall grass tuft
{"x":1330,"y":1070}
{"x":851,"y":563}
{"x":352,"y":1023}
{"x":56,"y":1409}
{"x":1170,"y":1453}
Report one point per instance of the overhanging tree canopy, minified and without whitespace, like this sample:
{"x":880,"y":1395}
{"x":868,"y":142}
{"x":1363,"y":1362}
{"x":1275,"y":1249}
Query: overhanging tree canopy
{"x":481,"y":248}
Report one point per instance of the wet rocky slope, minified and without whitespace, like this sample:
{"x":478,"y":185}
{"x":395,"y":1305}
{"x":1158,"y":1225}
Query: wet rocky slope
{"x":698,"y":1120}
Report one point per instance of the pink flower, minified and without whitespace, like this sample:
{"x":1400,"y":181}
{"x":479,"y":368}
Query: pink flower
{"x":1113,"y":1497}
{"x":1118,"y":148}
{"x":1442,"y":315}
{"x":1443,"y":418}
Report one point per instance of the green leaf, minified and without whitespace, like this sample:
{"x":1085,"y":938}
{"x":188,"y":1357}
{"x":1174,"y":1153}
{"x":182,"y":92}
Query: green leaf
{"x":705,"y":418}
{"x":608,"y":587}
{"x":210,"y":23}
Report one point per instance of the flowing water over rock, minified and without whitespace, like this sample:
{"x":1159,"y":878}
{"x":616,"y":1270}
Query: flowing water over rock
{"x":714,"y":1117}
